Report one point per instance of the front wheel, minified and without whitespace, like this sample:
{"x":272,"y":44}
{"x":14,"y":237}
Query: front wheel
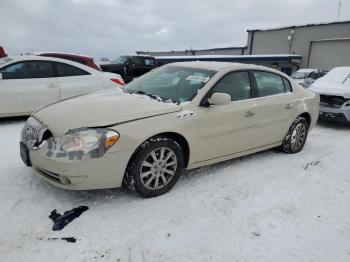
{"x":296,"y":136}
{"x":155,"y":167}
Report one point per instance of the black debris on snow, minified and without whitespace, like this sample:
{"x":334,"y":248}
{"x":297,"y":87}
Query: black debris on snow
{"x":60,"y":221}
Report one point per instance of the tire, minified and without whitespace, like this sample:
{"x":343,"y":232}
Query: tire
{"x":296,"y":137}
{"x":155,"y":167}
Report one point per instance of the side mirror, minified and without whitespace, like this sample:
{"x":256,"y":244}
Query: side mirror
{"x":0,"y":76}
{"x":219,"y":99}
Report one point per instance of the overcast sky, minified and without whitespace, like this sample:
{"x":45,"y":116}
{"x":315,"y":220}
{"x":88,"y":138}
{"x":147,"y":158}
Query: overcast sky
{"x":108,"y":28}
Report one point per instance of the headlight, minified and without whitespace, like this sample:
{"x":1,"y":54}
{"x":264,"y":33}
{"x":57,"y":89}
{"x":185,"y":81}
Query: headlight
{"x":83,"y":141}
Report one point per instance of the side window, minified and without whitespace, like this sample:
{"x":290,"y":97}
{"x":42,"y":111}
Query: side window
{"x":30,"y":69}
{"x":287,"y":85}
{"x":312,"y":75}
{"x":15,"y":71}
{"x":269,"y":84}
{"x":236,"y":84}
{"x":42,"y":69}
{"x":138,"y":61}
{"x":149,"y":62}
{"x":69,"y":70}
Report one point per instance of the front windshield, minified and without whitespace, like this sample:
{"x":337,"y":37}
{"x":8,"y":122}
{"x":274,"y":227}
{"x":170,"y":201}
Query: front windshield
{"x":121,"y":60}
{"x":299,"y":75}
{"x":175,"y":84}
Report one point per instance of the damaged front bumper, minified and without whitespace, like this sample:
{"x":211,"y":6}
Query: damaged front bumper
{"x":79,"y":160}
{"x":91,"y":173}
{"x":341,"y":114}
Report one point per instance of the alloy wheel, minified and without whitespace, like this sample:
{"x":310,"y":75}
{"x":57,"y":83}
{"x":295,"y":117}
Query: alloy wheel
{"x":158,"y":168}
{"x":298,"y":136}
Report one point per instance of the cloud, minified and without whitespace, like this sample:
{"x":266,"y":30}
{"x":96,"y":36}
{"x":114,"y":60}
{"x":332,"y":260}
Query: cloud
{"x":111,"y":28}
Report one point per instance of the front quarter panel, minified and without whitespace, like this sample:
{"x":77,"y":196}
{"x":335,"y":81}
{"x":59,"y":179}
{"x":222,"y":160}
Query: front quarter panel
{"x":134,"y":133}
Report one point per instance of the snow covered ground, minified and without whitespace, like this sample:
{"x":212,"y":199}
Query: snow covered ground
{"x":264,"y":207}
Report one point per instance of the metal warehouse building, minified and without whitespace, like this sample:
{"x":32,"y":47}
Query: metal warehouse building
{"x":322,"y":46}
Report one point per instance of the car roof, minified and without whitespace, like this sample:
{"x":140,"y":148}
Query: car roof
{"x":219,"y":66}
{"x":307,"y":70}
{"x":47,"y":58}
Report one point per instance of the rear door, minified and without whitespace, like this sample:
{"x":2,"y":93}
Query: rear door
{"x":26,"y":86}
{"x":276,"y":105}
{"x":75,"y":81}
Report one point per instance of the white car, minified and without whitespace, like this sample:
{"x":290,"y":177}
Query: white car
{"x":334,"y":91}
{"x":306,"y":76}
{"x":181,"y":115}
{"x":30,"y":82}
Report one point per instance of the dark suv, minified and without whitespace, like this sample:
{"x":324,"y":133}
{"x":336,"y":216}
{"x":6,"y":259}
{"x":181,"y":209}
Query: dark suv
{"x":130,"y":67}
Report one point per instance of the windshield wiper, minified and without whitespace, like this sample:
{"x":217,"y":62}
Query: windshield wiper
{"x":148,"y":94}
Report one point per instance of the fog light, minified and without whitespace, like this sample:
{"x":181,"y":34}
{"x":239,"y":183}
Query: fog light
{"x":65,"y":180}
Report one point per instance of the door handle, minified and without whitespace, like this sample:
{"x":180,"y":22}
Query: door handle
{"x":249,"y":114}
{"x":52,"y":85}
{"x":289,"y":106}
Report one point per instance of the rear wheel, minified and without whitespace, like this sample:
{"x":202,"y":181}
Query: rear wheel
{"x":155,"y":167}
{"x":296,"y":136}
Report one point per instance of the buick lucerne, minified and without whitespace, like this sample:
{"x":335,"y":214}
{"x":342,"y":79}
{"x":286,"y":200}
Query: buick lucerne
{"x":181,"y":115}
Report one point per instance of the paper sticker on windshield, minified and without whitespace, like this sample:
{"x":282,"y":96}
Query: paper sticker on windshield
{"x":198,"y":78}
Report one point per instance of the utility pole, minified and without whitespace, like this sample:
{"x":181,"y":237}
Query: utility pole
{"x":339,"y":9}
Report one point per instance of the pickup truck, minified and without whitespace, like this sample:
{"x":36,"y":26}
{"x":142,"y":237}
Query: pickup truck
{"x":130,"y":67}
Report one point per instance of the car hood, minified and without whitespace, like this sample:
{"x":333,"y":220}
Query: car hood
{"x":329,"y":88}
{"x":103,"y":108}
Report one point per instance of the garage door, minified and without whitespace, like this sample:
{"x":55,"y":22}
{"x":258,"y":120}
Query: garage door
{"x":329,"y":53}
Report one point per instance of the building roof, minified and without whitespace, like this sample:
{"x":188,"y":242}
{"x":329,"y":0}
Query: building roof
{"x":230,"y":58}
{"x":301,"y":25}
{"x":196,"y":50}
{"x":222,"y":48}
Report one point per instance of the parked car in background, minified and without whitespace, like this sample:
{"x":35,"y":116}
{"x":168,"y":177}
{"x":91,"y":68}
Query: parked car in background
{"x":180,"y":115}
{"x":305,"y":77}
{"x":130,"y":67}
{"x":2,"y":52}
{"x":82,"y":59}
{"x":334,"y":91}
{"x":30,"y":82}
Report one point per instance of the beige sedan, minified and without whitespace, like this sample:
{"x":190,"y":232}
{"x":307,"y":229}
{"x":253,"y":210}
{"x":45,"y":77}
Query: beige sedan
{"x":181,"y":115}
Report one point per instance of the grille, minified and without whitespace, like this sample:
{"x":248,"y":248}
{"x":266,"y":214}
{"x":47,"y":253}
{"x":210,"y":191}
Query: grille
{"x":33,"y":132}
{"x":332,"y":101}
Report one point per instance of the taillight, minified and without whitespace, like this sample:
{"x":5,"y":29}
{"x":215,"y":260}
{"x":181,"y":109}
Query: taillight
{"x":118,"y":81}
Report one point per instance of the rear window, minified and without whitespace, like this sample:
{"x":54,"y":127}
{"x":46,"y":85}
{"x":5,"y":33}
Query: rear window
{"x":287,"y":85}
{"x":269,"y":84}
{"x":64,"y":70}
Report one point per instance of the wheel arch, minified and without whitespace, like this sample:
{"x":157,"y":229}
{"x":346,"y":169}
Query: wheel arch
{"x":180,"y":139}
{"x":307,"y":116}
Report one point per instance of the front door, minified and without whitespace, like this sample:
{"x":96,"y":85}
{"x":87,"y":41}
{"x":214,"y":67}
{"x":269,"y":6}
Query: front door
{"x":231,"y":128}
{"x":26,"y":86}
